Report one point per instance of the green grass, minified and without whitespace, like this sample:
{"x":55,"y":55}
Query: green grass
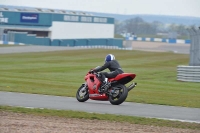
{"x":109,"y":117}
{"x":62,"y":72}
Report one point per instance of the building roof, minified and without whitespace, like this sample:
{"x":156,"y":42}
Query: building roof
{"x":41,"y":10}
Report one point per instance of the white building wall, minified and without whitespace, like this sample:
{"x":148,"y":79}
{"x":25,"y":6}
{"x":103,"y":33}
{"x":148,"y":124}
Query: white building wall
{"x":70,"y":30}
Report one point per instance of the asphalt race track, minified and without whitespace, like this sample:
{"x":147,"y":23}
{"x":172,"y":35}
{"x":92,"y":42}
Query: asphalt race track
{"x":144,"y":46}
{"x":131,"y":109}
{"x":31,"y":48}
{"x":161,"y":47}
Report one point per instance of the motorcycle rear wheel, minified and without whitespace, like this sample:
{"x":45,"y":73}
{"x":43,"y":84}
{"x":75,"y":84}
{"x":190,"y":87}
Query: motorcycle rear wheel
{"x":119,"y":96}
{"x":82,"y":94}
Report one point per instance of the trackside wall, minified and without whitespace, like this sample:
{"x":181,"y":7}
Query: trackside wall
{"x":34,"y":40}
{"x":69,"y":30}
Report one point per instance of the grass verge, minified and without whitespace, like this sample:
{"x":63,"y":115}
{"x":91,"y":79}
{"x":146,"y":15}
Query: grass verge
{"x":62,"y":72}
{"x":109,"y":117}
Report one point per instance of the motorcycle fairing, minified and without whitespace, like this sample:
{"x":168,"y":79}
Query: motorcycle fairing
{"x":123,"y":78}
{"x":94,"y":84}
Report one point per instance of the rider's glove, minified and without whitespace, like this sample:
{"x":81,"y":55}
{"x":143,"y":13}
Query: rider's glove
{"x":91,"y":71}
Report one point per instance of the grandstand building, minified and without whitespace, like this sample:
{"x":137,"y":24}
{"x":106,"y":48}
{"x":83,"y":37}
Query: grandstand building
{"x":55,"y":27}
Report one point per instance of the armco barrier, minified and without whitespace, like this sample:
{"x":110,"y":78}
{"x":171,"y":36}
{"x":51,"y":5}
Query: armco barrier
{"x":170,"y":40}
{"x":188,"y":73}
{"x":84,"y":47}
{"x":102,"y":47}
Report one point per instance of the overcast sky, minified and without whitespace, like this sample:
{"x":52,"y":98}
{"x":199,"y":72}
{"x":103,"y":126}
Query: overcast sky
{"x":159,"y":7}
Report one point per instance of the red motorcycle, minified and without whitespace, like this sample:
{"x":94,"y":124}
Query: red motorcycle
{"x":116,"y":93}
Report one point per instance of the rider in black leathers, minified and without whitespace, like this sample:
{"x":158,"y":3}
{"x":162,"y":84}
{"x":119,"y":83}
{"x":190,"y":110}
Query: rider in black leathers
{"x":114,"y":68}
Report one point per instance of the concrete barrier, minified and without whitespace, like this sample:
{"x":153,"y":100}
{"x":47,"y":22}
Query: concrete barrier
{"x":188,"y":73}
{"x":173,"y":41}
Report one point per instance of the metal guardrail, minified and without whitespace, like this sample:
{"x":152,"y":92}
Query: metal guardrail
{"x":188,"y":73}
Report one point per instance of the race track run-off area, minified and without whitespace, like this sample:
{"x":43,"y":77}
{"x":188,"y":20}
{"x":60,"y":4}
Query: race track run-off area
{"x":67,"y":103}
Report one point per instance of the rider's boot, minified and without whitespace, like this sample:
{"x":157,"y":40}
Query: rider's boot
{"x":105,"y":86}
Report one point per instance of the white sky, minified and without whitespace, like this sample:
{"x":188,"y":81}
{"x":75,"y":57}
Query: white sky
{"x":159,"y":7}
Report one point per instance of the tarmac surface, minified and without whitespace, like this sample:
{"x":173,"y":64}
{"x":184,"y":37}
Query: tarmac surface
{"x":31,"y":48}
{"x":103,"y":107}
{"x":144,"y":46}
{"x":161,"y":47}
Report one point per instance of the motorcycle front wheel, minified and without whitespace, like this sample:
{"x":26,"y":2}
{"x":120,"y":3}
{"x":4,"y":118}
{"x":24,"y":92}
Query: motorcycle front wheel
{"x":82,"y":94}
{"x":118,"y":95}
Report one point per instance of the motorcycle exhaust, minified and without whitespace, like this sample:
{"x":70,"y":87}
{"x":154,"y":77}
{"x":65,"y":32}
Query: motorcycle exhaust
{"x":132,"y":86}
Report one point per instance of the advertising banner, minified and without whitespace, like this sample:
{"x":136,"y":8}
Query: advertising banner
{"x":29,"y":17}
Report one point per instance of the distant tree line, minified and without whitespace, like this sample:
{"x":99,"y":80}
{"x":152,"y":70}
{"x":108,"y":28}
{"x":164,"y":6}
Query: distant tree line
{"x":138,"y":26}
